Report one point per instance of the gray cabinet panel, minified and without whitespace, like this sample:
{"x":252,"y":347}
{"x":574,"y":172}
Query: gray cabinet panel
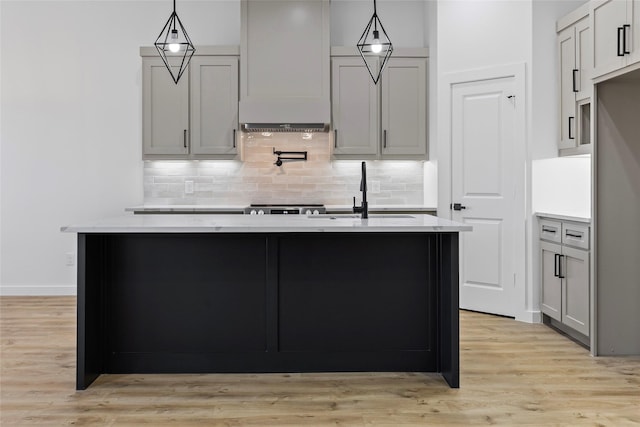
{"x":404,"y":107}
{"x":354,"y":108}
{"x":165,"y":110}
{"x":551,"y":283}
{"x":575,"y":295}
{"x":214,"y":105}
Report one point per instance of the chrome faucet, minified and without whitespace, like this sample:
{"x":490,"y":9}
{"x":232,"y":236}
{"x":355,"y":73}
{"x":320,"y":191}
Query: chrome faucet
{"x":364,"y":207}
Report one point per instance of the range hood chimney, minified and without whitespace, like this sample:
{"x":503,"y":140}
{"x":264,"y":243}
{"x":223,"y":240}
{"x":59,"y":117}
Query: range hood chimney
{"x":284,"y":66}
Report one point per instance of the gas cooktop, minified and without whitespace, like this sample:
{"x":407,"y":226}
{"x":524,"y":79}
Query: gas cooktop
{"x":285,"y":209}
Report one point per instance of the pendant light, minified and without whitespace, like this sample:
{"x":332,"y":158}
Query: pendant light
{"x":373,"y":44}
{"x":174,"y":46}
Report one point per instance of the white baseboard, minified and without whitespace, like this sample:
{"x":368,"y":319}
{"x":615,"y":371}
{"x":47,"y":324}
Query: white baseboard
{"x":530,"y":317}
{"x":38,"y":290}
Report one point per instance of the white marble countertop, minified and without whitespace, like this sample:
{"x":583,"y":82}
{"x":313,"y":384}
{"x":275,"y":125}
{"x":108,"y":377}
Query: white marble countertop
{"x":218,"y":223}
{"x":563,"y":217}
{"x":240,"y":209}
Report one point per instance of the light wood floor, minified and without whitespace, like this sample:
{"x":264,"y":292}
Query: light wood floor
{"x":512,"y":374}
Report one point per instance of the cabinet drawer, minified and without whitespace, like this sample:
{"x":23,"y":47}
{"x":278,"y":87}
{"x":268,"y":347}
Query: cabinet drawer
{"x":550,"y":230}
{"x":576,"y":235}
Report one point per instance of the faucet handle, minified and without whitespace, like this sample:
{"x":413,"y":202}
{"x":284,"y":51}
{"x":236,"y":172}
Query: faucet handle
{"x":356,"y":209}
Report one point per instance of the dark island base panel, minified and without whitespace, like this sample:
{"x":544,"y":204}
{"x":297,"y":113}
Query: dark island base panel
{"x":303,"y":302}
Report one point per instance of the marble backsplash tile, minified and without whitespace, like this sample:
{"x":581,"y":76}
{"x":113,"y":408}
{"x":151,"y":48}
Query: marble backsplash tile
{"x":256,"y":179}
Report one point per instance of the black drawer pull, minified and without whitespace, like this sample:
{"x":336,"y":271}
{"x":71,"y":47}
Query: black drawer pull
{"x":620,"y":35}
{"x":577,"y":236}
{"x":571,"y":119}
{"x":549,"y":230}
{"x":624,"y":39}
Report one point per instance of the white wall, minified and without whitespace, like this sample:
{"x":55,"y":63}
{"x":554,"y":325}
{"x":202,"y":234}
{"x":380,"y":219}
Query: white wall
{"x":562,"y":185}
{"x":71,"y":121}
{"x":402,"y":19}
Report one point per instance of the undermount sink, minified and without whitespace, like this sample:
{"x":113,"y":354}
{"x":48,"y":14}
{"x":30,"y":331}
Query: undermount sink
{"x":354,"y":216}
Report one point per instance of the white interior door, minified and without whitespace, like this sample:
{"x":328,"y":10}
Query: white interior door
{"x":483,"y":182}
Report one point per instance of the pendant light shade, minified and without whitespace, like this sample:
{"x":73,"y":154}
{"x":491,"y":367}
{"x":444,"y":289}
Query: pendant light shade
{"x":174,"y":46}
{"x":374,"y":46}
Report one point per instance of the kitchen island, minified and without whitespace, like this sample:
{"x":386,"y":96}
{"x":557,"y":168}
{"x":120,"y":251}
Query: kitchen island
{"x":242,"y":293}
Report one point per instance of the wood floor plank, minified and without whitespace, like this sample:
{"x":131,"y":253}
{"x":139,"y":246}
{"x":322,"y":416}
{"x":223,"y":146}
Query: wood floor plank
{"x":512,"y":373}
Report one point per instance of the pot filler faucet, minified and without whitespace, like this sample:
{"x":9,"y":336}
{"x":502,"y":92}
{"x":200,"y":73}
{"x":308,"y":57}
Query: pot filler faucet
{"x":364,"y":207}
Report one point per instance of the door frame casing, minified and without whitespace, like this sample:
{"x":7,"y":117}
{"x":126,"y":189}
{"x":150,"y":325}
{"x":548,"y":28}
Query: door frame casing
{"x":526,"y":304}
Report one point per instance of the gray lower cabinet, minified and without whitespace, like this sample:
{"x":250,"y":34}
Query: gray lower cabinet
{"x":565,"y":273}
{"x":196,"y":118}
{"x":384,"y":121}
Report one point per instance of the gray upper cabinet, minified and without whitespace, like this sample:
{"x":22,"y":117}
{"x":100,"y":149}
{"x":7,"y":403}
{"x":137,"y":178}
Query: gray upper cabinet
{"x":214,"y":105}
{"x":165,"y":110}
{"x":616,"y":25}
{"x":354,"y":108}
{"x":384,"y":121}
{"x":198,"y":117}
{"x":575,"y":59}
{"x":404,"y":108}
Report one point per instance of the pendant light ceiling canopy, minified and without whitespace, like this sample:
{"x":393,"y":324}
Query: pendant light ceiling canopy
{"x":375,"y":46}
{"x":174,"y":46}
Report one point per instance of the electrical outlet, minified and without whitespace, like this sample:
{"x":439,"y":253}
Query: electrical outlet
{"x":70,"y":258}
{"x":375,"y":187}
{"x":188,"y":187}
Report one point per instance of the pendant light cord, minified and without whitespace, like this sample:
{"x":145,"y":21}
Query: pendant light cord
{"x":174,"y":12}
{"x":375,"y":15}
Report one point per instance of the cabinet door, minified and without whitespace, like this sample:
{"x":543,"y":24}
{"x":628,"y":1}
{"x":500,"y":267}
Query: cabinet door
{"x":214,"y":105}
{"x":404,"y":108}
{"x":584,"y":59}
{"x":567,"y":60}
{"x":633,"y":14}
{"x":165,"y":109}
{"x":575,"y":292}
{"x":551,"y":282}
{"x":607,"y":17}
{"x":354,"y":108}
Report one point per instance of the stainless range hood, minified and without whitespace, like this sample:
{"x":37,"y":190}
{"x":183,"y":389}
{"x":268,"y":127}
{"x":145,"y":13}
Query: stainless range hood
{"x":284,"y":66}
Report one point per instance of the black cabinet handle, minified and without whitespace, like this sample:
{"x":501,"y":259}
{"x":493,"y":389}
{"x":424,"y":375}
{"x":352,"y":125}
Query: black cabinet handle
{"x":560,"y":274}
{"x":335,"y":138}
{"x":234,"y":138}
{"x":549,"y":230}
{"x":457,"y":206}
{"x":571,"y":119}
{"x":384,"y":139}
{"x":184,"y":138}
{"x":620,"y":33}
{"x":575,"y":71}
{"x":624,"y":38}
{"x":556,"y":272}
{"x":577,"y":236}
